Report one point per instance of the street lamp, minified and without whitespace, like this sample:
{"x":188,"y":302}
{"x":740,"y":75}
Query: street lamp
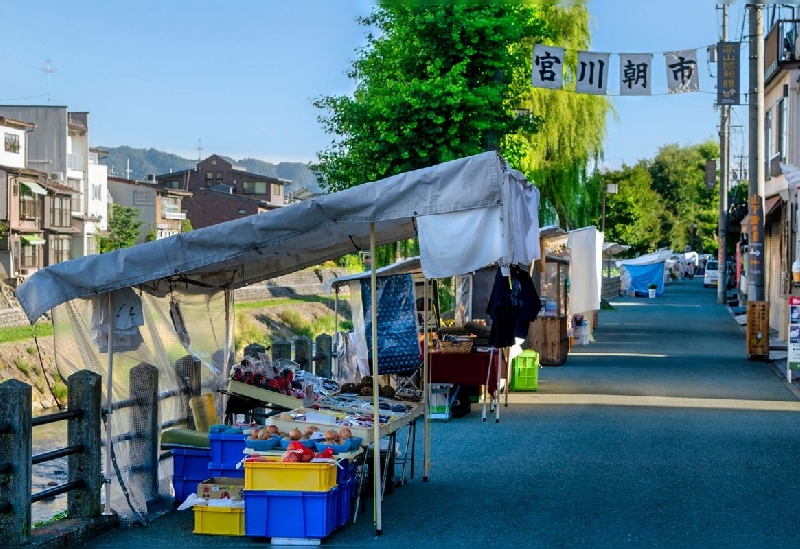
{"x":610,"y":188}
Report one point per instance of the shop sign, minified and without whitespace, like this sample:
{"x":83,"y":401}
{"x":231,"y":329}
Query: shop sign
{"x":794,"y":333}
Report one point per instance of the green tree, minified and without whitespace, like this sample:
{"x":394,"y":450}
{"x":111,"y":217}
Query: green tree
{"x":123,"y":229}
{"x":679,"y":178}
{"x":440,"y":82}
{"x":560,"y":157}
{"x":434,"y":83}
{"x":186,"y":225}
{"x":635,"y":215}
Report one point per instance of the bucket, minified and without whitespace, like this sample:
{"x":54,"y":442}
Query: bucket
{"x":204,"y":411}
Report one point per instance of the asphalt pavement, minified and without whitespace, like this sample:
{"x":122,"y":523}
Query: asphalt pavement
{"x":661,"y":431}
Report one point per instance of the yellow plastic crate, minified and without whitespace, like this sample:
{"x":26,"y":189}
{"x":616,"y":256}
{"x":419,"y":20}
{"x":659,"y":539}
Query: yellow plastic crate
{"x":220,"y":521}
{"x":297,"y":477}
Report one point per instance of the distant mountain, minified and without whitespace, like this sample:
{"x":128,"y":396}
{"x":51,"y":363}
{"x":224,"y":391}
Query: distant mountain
{"x":146,"y":161}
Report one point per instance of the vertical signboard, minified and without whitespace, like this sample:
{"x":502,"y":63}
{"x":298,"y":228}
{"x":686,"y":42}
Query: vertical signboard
{"x":755,"y":256}
{"x":793,"y":347}
{"x":728,"y":73}
{"x":758,"y":328}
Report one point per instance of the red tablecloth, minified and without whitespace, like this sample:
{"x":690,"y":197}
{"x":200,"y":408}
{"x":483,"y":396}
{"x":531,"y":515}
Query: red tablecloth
{"x":464,"y":368}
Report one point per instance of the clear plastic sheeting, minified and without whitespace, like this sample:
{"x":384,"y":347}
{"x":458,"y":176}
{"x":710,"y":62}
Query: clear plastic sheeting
{"x":142,"y":473}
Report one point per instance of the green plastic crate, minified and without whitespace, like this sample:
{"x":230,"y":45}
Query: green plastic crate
{"x":526,"y":371}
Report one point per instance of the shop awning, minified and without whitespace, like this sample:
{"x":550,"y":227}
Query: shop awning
{"x":33,"y":187}
{"x":769,"y":205}
{"x":32,"y":240}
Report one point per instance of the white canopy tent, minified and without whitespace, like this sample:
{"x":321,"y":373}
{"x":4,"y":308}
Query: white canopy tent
{"x":466,"y":214}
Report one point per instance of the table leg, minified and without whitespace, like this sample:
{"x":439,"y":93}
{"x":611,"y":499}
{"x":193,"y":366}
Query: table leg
{"x":360,"y":487}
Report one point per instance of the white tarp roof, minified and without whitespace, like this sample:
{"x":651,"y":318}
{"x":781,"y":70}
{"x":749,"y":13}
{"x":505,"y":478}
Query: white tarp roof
{"x":259,"y":247}
{"x":653,"y":257}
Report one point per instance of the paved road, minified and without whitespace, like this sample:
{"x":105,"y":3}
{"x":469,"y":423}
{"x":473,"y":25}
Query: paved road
{"x":661,"y":432}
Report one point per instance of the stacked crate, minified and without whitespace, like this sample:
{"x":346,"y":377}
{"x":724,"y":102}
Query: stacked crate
{"x":295,"y":500}
{"x":227,"y":450}
{"x":189,"y":468}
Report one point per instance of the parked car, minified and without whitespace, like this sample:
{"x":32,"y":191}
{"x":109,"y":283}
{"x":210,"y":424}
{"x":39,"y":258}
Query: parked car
{"x":711,"y":276}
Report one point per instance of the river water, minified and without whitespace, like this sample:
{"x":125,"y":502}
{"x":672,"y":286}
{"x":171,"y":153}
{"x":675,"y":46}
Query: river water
{"x":51,"y":473}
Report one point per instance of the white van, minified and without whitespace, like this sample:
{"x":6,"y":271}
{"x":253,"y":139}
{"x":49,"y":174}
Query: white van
{"x":711,"y":276}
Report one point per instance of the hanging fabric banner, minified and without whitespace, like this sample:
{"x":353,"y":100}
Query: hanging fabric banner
{"x":548,"y":67}
{"x":635,"y":73}
{"x":682,"y":74}
{"x":592,"y":73}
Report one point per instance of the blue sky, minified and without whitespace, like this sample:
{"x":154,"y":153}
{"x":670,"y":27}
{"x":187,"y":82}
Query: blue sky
{"x":237,"y":77}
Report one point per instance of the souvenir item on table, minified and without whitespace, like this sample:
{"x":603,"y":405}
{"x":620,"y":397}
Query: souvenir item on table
{"x":287,"y":380}
{"x":364,"y":404}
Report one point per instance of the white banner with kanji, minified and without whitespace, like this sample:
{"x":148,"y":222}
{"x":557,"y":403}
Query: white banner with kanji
{"x":682,"y":73}
{"x":548,"y":67}
{"x":592,"y":73}
{"x":635,"y":72}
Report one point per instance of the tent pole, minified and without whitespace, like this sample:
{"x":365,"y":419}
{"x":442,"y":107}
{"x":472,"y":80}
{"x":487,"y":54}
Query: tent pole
{"x":426,"y":421}
{"x":335,"y":340}
{"x":376,"y":424}
{"x":108,"y":411}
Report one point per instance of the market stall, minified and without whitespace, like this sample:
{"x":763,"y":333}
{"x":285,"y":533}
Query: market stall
{"x":141,"y":308}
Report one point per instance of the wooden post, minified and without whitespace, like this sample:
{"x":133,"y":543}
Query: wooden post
{"x":145,"y":427}
{"x":322,"y":357}
{"x":84,"y":392}
{"x":302,"y":353}
{"x":15,"y":462}
{"x":187,"y":369}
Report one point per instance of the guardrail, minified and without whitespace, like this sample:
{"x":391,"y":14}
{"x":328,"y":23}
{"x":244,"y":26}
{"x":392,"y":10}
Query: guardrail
{"x":84,"y":479}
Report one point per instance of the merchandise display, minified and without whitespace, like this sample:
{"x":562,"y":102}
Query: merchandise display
{"x":263,"y":374}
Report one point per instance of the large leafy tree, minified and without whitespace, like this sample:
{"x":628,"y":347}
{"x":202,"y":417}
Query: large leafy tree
{"x":679,"y":178}
{"x":433,"y":85}
{"x":634,"y":215}
{"x":562,"y":155}
{"x":664,"y":202}
{"x":123,"y":229}
{"x":440,"y":82}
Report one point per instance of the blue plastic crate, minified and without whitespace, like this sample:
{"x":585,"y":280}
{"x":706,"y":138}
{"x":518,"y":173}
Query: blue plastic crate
{"x":344,"y":500}
{"x":279,"y":514}
{"x":346,"y":469}
{"x":189,"y":467}
{"x":224,"y":470}
{"x":227,"y":448}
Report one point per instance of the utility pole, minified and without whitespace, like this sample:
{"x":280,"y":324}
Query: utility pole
{"x":724,"y":151}
{"x":755,"y":202}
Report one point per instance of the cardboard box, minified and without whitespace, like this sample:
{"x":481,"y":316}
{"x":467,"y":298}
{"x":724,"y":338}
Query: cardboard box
{"x":221,"y":488}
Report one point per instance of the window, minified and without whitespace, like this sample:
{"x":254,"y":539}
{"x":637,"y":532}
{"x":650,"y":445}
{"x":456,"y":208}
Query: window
{"x":782,"y":133}
{"x":144,"y":198}
{"x":91,"y":245}
{"x":254,"y":187}
{"x":220,"y":180}
{"x":767,"y":140}
{"x":209,"y":179}
{"x":170,"y":207}
{"x":277,"y":189}
{"x":172,"y":184}
{"x":96,"y":194}
{"x":28,"y":255}
{"x":62,"y":249}
{"x":28,"y":203}
{"x":242,"y":211}
{"x":60,"y":211}
{"x":11,"y":143}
